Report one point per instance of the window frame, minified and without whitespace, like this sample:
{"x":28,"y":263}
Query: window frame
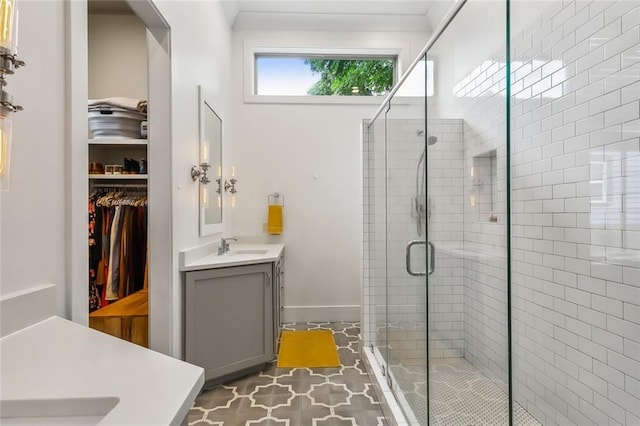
{"x":250,"y":73}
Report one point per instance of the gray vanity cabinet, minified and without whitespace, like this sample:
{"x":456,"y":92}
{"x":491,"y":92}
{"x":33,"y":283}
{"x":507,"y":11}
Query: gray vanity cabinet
{"x":278,"y":297}
{"x":229,"y":319}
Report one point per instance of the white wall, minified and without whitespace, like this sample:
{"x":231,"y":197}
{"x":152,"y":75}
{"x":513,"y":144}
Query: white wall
{"x":33,"y":211}
{"x":312,"y":155}
{"x":201,"y":55}
{"x":128,"y":75}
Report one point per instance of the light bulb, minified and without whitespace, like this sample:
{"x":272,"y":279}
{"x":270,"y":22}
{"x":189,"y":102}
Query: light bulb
{"x":233,"y":171}
{"x":204,"y":153}
{"x":5,"y":151}
{"x":7,"y":25}
{"x":204,"y":197}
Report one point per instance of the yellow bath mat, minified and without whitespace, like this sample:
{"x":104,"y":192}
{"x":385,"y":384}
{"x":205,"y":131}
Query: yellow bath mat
{"x":307,"y":348}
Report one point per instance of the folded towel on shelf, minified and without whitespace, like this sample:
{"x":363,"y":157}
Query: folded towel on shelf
{"x":119,"y":102}
{"x":274,"y":220}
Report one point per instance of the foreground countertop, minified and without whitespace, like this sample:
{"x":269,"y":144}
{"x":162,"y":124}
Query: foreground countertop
{"x":59,"y":359}
{"x":239,"y":254}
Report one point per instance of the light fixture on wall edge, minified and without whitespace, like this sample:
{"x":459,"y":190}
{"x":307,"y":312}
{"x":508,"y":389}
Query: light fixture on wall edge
{"x":199,"y":172}
{"x":9,"y":62}
{"x":230,"y":185}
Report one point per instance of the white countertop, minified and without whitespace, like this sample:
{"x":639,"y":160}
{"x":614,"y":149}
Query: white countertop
{"x":59,"y":359}
{"x":239,"y":254}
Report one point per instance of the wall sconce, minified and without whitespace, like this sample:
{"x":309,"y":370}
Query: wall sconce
{"x":219,"y":182}
{"x":200,"y":173}
{"x":230,"y":185}
{"x":9,"y":62}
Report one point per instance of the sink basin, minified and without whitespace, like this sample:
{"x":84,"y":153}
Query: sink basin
{"x":66,"y":411}
{"x":248,"y":251}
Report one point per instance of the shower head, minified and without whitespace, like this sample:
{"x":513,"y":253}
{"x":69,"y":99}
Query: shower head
{"x":431,"y":140}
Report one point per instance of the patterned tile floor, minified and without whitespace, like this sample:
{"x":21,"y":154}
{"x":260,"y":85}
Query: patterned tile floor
{"x":297,"y":396}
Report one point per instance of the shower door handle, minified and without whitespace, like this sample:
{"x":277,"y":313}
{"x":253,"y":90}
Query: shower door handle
{"x":408,"y":258}
{"x":432,"y":257}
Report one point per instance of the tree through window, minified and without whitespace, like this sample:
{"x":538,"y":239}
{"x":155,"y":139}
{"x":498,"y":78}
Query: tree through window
{"x":324,"y":75}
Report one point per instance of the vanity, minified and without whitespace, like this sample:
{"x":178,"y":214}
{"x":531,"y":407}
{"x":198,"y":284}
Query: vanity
{"x":232,"y":307}
{"x":58,"y":372}
{"x":232,"y":292}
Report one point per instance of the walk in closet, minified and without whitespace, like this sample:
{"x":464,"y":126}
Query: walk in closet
{"x":118,"y":171}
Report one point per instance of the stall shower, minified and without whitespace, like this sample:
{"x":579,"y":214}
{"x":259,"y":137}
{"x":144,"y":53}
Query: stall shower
{"x":501,"y":261}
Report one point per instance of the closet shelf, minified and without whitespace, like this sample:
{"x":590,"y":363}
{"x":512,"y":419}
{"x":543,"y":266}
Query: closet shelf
{"x":119,"y":177}
{"x":127,"y":318}
{"x":118,"y":142}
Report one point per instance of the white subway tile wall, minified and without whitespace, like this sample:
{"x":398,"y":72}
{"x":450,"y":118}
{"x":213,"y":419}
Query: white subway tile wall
{"x":481,"y":103}
{"x":575,"y":354}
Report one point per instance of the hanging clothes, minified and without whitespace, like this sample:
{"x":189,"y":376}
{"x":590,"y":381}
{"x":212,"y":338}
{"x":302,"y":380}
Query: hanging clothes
{"x":117,"y":246}
{"x":95,"y":249}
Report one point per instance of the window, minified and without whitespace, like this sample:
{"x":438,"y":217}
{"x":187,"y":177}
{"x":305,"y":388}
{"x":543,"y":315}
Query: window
{"x":323,"y":75}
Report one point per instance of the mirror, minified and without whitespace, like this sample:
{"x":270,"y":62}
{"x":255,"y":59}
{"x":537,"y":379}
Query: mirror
{"x":211,"y":153}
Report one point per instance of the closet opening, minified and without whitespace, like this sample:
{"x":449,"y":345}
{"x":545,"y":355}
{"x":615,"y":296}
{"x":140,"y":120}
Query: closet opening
{"x":119,"y":55}
{"x":118,"y":171}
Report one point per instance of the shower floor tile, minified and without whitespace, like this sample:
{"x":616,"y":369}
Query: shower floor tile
{"x":460,"y":395}
{"x":297,"y":396}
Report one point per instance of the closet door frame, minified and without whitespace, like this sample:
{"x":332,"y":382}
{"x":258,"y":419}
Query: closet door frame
{"x":162,"y":313}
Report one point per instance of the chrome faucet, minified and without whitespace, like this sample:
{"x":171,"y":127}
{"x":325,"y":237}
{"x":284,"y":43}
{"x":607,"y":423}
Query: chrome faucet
{"x":224,"y":245}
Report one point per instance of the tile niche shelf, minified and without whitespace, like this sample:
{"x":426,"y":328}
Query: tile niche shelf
{"x":484,"y":193}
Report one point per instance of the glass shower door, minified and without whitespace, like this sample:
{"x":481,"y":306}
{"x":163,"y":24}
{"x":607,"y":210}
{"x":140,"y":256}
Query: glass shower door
{"x":406,"y":252}
{"x":375,"y":240}
{"x":466,"y":219}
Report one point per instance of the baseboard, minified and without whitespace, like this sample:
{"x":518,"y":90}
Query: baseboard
{"x":27,"y":307}
{"x":321,"y":313}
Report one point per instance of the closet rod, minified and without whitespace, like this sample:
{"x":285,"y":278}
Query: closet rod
{"x":119,"y":185}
